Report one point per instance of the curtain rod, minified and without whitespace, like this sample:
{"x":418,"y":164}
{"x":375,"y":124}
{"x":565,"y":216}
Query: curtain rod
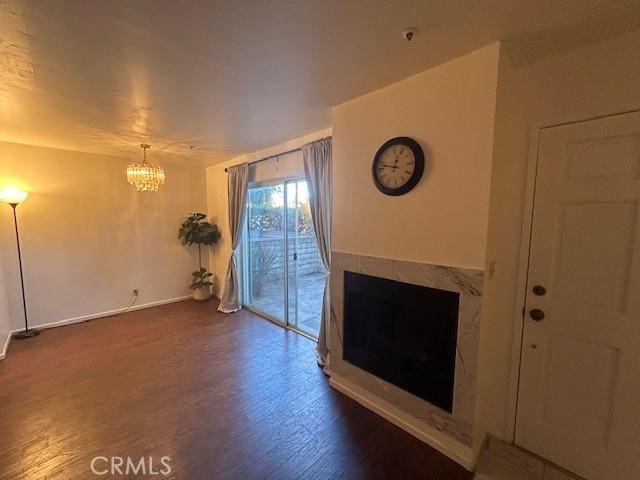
{"x":281,"y":154}
{"x":272,"y":156}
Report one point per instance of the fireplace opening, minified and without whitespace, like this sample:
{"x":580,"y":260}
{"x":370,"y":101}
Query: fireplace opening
{"x":405,"y":334}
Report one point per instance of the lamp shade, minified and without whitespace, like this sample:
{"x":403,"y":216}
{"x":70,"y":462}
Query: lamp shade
{"x":13,"y":196}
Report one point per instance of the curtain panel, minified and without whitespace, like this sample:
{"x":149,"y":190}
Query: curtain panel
{"x":238,"y":183}
{"x":317,"y":167}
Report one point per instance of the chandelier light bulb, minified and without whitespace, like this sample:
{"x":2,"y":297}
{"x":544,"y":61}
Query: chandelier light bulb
{"x":144,"y":176}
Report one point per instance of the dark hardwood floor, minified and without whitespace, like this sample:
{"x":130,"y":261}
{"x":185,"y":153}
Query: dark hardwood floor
{"x":224,"y":396}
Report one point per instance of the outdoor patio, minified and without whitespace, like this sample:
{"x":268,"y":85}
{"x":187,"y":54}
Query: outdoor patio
{"x":309,"y":301}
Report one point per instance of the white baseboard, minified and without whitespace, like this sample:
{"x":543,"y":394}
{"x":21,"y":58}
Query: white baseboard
{"x":452,"y":448}
{"x":91,"y":316}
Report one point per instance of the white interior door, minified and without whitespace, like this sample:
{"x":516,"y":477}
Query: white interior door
{"x":579,"y":397}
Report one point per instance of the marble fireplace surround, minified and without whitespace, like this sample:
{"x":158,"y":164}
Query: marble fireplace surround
{"x":450,"y":433}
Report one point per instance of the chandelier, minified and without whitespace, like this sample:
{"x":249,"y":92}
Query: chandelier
{"x":143,"y":176}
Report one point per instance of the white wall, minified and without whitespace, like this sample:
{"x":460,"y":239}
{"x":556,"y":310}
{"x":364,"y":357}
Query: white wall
{"x":89,"y":238}
{"x":591,"y":81}
{"x":217,"y":199}
{"x":449,"y":110}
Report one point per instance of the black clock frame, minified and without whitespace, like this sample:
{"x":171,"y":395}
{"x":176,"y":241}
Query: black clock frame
{"x":417,"y":172}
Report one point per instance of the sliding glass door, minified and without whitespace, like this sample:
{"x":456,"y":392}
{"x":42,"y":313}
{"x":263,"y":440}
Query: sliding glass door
{"x":284,"y":275}
{"x":265,"y":251}
{"x":305,"y":272}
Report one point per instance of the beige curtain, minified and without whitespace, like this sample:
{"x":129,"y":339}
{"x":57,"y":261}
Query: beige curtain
{"x":317,"y":168}
{"x":238,"y":182}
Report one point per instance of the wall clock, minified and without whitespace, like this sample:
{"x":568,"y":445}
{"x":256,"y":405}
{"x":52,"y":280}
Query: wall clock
{"x":398,"y":166}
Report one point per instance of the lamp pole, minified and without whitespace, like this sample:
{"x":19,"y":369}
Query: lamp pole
{"x":27,"y":332}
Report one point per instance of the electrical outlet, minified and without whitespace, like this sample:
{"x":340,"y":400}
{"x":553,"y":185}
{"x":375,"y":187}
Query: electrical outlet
{"x":135,"y":292}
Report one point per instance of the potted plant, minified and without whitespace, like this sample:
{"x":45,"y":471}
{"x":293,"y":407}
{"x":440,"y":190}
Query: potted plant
{"x":197,"y":230}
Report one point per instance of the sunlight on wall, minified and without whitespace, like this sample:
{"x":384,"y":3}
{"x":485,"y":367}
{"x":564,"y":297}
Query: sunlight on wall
{"x":89,"y":238}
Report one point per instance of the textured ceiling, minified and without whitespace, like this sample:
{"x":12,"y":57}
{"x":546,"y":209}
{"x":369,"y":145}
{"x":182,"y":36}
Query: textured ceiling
{"x":232,"y":76}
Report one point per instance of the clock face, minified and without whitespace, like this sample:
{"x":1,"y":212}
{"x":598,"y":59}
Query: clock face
{"x":398,"y":166}
{"x":395,"y":167}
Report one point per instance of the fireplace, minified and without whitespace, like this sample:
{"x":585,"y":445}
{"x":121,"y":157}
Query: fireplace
{"x":403,"y":333}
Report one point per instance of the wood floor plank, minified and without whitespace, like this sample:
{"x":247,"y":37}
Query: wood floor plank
{"x":224,"y":396}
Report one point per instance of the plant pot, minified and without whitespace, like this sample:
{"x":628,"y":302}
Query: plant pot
{"x":202,"y":294}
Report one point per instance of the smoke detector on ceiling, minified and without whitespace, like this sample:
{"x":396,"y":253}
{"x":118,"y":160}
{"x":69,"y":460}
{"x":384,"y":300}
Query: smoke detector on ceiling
{"x":409,"y":33}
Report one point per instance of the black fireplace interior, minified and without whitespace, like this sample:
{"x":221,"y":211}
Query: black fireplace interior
{"x":402,"y":333}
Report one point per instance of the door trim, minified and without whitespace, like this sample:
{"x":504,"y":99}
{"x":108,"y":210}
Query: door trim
{"x":523,"y":261}
{"x":521,"y":286}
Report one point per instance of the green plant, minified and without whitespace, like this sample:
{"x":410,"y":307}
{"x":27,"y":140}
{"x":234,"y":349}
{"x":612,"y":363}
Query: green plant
{"x":197,"y":230}
{"x":201,"y":279}
{"x":265,"y":258}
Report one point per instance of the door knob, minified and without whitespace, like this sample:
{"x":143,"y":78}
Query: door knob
{"x":539,"y":290}
{"x":536,"y":314}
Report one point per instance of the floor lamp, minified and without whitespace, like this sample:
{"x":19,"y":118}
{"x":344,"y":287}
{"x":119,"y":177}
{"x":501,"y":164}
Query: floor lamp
{"x":14,"y":197}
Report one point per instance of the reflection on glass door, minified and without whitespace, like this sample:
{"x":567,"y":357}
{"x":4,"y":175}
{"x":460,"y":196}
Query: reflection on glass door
{"x":266,"y":251}
{"x":285,"y":275}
